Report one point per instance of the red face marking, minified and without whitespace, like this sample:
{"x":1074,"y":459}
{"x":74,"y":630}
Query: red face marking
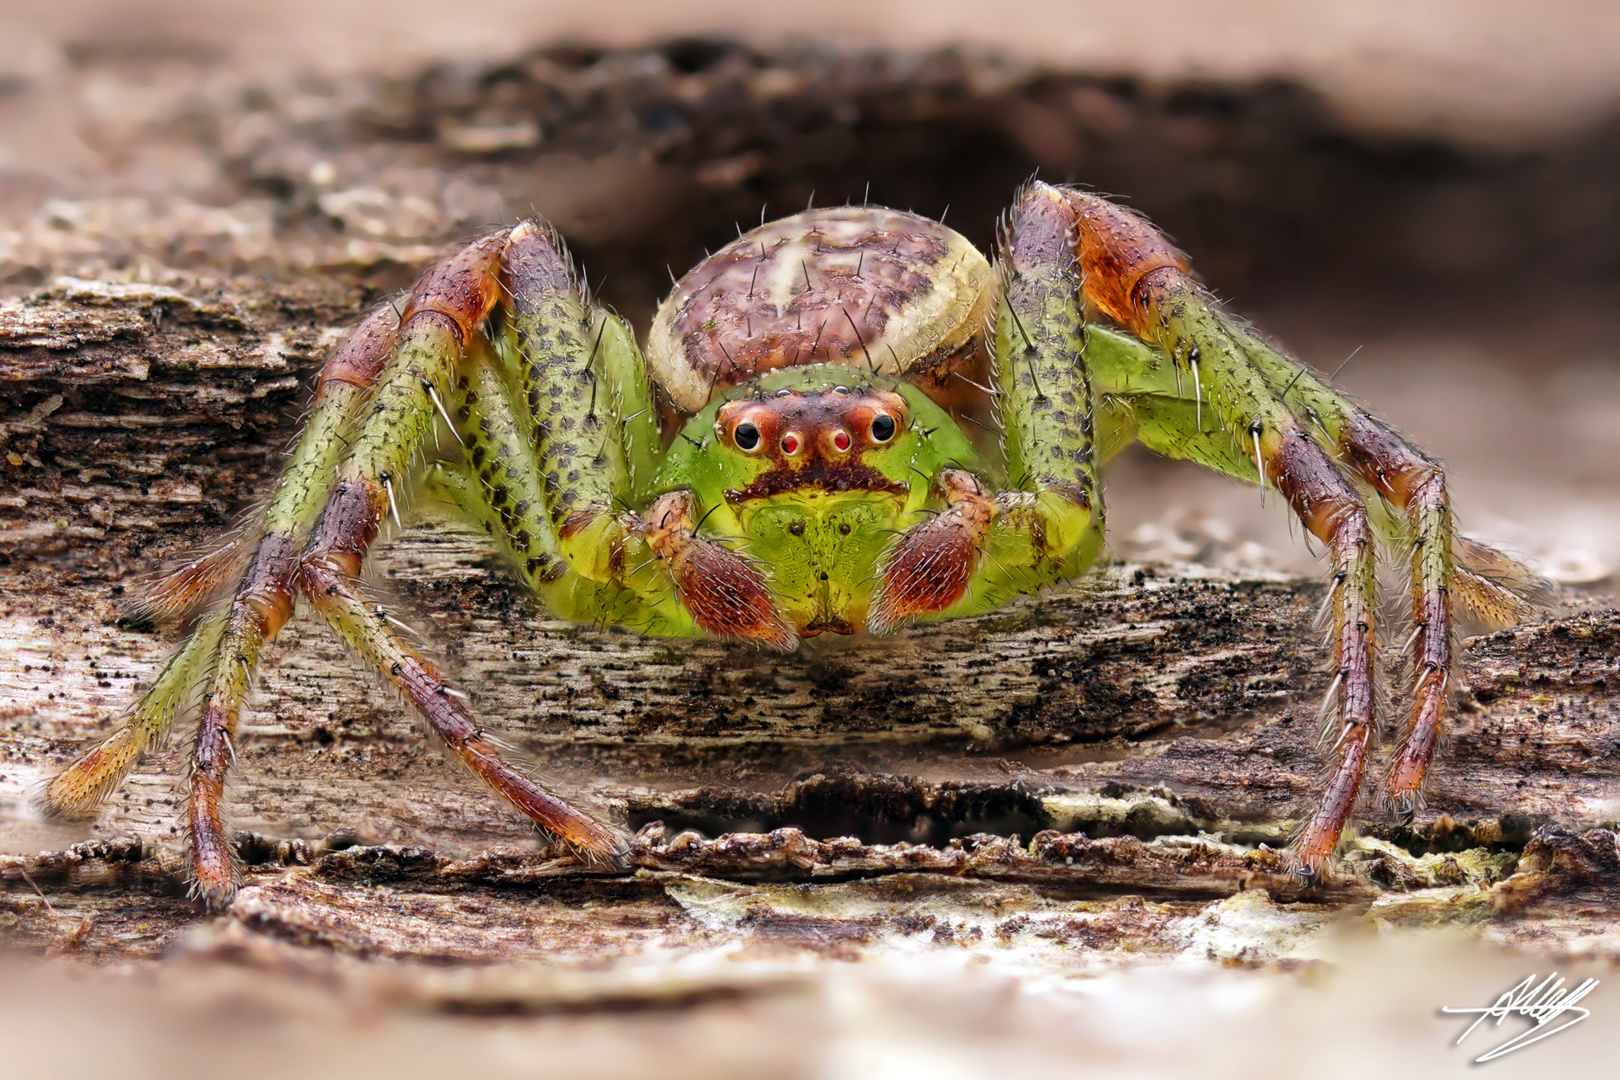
{"x":813,"y":439}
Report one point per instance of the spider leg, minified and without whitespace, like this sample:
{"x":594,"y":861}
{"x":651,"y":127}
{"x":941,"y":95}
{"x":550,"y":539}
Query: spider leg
{"x":594,"y":433}
{"x":218,"y":657}
{"x":1135,"y":277}
{"x":383,"y":371}
{"x":339,"y":598}
{"x":1321,"y":452}
{"x":498,"y":487}
{"x":442,"y":322}
{"x":347,"y":510}
{"x":984,"y":548}
{"x":1333,"y":510}
{"x":595,"y":449}
{"x":1444,"y":569}
{"x":315,"y":534}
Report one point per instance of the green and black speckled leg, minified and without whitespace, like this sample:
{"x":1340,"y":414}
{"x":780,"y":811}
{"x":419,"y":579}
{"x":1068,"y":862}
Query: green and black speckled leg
{"x":595,"y":451}
{"x":1209,"y":389}
{"x":217,"y":661}
{"x":985,"y":548}
{"x":499,"y":487}
{"x":595,"y":433}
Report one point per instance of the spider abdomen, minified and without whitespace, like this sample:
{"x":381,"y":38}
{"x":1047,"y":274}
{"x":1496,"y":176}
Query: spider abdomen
{"x":882,"y":290}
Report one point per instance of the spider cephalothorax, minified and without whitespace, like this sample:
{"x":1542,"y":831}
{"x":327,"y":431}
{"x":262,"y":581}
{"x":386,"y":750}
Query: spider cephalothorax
{"x":791,"y":459}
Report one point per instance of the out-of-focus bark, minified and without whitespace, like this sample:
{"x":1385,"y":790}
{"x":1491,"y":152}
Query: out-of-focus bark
{"x":1101,"y":776}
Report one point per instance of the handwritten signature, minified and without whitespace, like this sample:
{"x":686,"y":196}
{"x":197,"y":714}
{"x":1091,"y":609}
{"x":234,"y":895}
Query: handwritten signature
{"x":1542,"y":1002}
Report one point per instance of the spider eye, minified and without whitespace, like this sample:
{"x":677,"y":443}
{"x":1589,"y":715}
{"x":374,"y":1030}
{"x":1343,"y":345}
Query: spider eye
{"x":882,"y":427}
{"x":746,"y":436}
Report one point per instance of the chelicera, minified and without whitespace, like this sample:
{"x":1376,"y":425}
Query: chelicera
{"x":846,"y":421}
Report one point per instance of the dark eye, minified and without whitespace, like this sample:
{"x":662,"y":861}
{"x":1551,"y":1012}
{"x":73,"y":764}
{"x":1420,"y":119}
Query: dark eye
{"x":746,"y":436}
{"x":882,"y":427}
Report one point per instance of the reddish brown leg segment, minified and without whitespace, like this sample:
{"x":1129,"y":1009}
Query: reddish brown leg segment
{"x":930,"y":565}
{"x":336,"y":596}
{"x":726,"y":595}
{"x":260,"y":608}
{"x":216,"y":872}
{"x":1335,"y":514}
{"x":1418,"y":486}
{"x":1118,"y":250}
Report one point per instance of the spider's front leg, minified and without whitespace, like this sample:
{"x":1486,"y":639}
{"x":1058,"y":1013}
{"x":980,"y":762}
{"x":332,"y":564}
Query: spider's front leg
{"x":1256,"y":414}
{"x":375,"y":417}
{"x":983,"y":548}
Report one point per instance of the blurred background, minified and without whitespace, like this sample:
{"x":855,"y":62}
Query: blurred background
{"x":1427,"y":194}
{"x":1433,"y":189}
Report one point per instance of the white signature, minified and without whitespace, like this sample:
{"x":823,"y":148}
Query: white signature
{"x":1542,"y":1002}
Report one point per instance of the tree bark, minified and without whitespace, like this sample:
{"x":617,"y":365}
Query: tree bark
{"x":1101,"y":775}
{"x":1149,"y":730}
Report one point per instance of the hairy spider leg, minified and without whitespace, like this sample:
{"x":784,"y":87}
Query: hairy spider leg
{"x":445,"y":315}
{"x":1260,"y":416}
{"x":596,"y":449}
{"x":513,"y":397}
{"x":595,"y":432}
{"x":219,"y":655}
{"x":982,"y":549}
{"x":1135,"y":277}
{"x":1417,"y":484}
{"x":334,"y":544}
{"x":1443,"y":569}
{"x":499,"y":488}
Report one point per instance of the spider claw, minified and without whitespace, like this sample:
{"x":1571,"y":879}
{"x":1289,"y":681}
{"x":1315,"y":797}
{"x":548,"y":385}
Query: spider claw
{"x":1306,"y":875}
{"x":615,"y":857}
{"x":1401,"y":805}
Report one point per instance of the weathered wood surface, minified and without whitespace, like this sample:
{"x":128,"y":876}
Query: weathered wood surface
{"x":1143,"y":732}
{"x":1094,"y":780}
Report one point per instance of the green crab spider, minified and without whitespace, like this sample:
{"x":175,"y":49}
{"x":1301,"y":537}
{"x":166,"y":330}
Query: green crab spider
{"x":791,"y":458}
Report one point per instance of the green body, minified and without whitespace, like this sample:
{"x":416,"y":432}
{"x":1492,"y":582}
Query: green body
{"x":703,"y":530}
{"x":822,"y":548}
{"x":822,"y":575}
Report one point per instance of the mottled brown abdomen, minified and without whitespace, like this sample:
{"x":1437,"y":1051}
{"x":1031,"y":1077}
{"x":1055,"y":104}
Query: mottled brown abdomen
{"x":877,"y":289}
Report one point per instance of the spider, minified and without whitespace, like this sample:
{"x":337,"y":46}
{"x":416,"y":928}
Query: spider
{"x":793,"y":456}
